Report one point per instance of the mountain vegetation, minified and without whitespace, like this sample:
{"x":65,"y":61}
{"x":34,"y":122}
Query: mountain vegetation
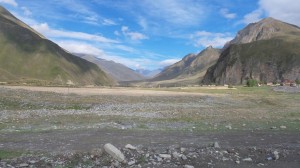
{"x":28,"y":57}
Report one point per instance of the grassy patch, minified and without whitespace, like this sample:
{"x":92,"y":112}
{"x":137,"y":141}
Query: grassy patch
{"x":6,"y":154}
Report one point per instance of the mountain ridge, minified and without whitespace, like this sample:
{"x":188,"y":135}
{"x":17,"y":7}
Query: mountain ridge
{"x":267,"y":51}
{"x":117,"y":71}
{"x":28,"y":57}
{"x":190,"y":65}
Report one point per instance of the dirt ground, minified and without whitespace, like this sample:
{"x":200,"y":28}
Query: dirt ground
{"x":249,"y":125}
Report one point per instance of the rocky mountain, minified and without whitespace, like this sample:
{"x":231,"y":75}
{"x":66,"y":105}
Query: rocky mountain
{"x":117,"y":71}
{"x":190,"y":66}
{"x":268,"y":51}
{"x":28,"y":57}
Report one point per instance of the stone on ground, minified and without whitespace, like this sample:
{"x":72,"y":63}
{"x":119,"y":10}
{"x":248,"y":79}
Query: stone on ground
{"x":114,"y":152}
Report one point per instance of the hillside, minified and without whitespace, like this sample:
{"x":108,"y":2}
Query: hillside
{"x":117,"y":71}
{"x":191,"y":68}
{"x":268,"y":51}
{"x":28,"y":57}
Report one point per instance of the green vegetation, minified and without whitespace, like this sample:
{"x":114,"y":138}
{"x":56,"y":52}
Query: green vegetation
{"x":28,"y":59}
{"x":297,"y":81}
{"x":252,"y":83}
{"x":6,"y":154}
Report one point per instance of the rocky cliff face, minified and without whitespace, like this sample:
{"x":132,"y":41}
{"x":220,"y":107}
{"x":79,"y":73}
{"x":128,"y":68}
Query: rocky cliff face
{"x":267,"y":51}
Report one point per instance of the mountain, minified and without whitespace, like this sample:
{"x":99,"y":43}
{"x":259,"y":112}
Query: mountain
{"x":117,"y":71}
{"x":191,"y":68}
{"x":267,"y":51}
{"x":28,"y":57}
{"x":148,"y":73}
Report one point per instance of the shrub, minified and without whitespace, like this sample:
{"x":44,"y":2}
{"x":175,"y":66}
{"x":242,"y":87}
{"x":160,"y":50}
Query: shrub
{"x":297,"y":81}
{"x":252,"y":83}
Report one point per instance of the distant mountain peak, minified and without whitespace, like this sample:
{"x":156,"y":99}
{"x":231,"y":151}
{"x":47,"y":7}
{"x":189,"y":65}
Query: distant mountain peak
{"x":264,"y":29}
{"x":267,"y":51}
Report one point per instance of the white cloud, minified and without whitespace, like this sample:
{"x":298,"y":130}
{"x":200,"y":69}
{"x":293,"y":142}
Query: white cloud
{"x":226,"y":14}
{"x":80,"y":47}
{"x":285,"y":10}
{"x":10,"y":2}
{"x":253,"y":17}
{"x":136,"y":36}
{"x":205,"y":39}
{"x":85,"y":48}
{"x":26,"y":11}
{"x":108,"y":22}
{"x":168,"y":62}
{"x":49,"y":32}
{"x":177,"y":12}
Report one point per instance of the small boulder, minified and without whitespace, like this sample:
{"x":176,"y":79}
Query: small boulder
{"x":165,"y":156}
{"x":114,"y":152}
{"x":247,"y":160}
{"x":216,"y":145}
{"x":129,"y":146}
{"x":188,"y":166}
{"x":283,"y":127}
{"x":276,"y":155}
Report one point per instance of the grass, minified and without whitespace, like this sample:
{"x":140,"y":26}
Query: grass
{"x":7,"y":154}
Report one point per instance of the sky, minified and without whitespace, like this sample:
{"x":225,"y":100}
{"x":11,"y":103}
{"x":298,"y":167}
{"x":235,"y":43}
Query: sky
{"x":146,"y":34}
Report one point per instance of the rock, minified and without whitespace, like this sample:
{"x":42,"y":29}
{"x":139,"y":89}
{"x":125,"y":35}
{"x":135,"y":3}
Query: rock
{"x":260,"y":164}
{"x":131,"y":163}
{"x":129,"y":146}
{"x":188,"y":166}
{"x":182,"y":150}
{"x":176,"y":155}
{"x":276,"y":155}
{"x":269,"y":158}
{"x":183,"y":157}
{"x":283,"y":127}
{"x":273,"y":127}
{"x":114,"y":152}
{"x":228,"y":127}
{"x":32,"y":161}
{"x":247,"y":160}
{"x":159,"y":159}
{"x":216,"y":145}
{"x":23,"y":165}
{"x":165,"y":156}
{"x":237,"y":162}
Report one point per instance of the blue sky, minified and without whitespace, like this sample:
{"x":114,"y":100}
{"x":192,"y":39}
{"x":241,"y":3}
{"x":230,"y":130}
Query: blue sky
{"x":146,"y":34}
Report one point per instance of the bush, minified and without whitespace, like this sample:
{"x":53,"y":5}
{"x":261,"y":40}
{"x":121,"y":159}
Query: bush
{"x":297,"y":81}
{"x":252,"y":83}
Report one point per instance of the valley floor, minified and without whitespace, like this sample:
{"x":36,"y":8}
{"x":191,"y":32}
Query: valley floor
{"x":63,"y":127}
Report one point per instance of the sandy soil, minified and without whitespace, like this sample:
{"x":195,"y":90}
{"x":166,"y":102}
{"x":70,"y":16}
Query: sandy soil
{"x":108,"y":91}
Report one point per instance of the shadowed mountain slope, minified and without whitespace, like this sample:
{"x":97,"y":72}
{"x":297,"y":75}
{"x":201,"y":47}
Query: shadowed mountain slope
{"x":191,"y":66}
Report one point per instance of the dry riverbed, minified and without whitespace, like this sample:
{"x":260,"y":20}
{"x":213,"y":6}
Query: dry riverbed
{"x":177,"y":127}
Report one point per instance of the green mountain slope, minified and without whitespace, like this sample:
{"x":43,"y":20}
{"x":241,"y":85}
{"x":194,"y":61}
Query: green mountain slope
{"x":268,"y":51}
{"x":191,"y":66}
{"x":27,"y":57}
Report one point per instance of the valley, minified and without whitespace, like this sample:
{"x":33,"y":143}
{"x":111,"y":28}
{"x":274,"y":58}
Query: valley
{"x":61,"y":123}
